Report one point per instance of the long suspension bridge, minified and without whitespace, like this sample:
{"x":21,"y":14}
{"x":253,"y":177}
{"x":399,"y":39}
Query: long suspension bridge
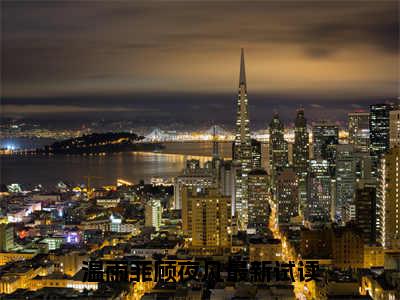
{"x":214,"y":133}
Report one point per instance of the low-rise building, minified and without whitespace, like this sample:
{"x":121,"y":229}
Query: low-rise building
{"x":265,"y":249}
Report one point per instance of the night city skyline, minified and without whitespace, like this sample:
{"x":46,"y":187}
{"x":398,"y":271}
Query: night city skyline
{"x":218,"y":150}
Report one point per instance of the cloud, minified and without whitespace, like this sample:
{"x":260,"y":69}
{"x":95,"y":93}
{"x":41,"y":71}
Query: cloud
{"x":319,"y":52}
{"x":315,"y":49}
{"x":315,"y":105}
{"x":10,"y":109}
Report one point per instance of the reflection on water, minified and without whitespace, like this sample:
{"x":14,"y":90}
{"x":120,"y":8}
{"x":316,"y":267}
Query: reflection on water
{"x":132,"y":166}
{"x":169,"y":157}
{"x":198,"y":148}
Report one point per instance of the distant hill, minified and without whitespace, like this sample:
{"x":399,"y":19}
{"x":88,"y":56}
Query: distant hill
{"x":95,"y":143}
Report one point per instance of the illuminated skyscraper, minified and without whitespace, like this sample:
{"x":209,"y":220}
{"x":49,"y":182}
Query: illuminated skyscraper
{"x":379,"y":128}
{"x":255,"y":154}
{"x":320,"y":192}
{"x":389,"y":199}
{"x":301,"y":155}
{"x":325,"y":139}
{"x":193,"y":177}
{"x":394,"y":125}
{"x":259,"y":210}
{"x":227,"y":180}
{"x":153,"y":212}
{"x":287,"y":194}
{"x":359,"y":131}
{"x":242,"y":150}
{"x":206,"y":218}
{"x":300,"y":146}
{"x":278,"y":147}
{"x":365,"y":203}
{"x":345,"y":178}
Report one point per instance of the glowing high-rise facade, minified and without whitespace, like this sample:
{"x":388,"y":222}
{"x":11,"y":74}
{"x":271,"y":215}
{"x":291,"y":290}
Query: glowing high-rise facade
{"x":394,"y":128}
{"x":388,"y":223}
{"x":379,"y":128}
{"x":358,"y":125}
{"x":301,"y":155}
{"x":320,"y":193}
{"x":206,"y":218}
{"x":345,"y":178}
{"x":287,"y":195}
{"x":259,"y":197}
{"x":242,"y":151}
{"x":153,"y":212}
{"x":278,"y":147}
{"x":325,"y":138}
{"x":301,"y":145}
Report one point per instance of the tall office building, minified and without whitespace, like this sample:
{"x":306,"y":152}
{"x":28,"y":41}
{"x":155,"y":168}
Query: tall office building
{"x":358,"y":127}
{"x":319,"y":192}
{"x":325,"y":139}
{"x":366,"y":217}
{"x":226,"y":180}
{"x":259,"y":197}
{"x":255,"y":154}
{"x":300,"y":146}
{"x":206,"y":218}
{"x":193,"y":176}
{"x":242,"y":150}
{"x":394,"y":128}
{"x":153,"y":213}
{"x":379,"y":128}
{"x":278,"y":147}
{"x":345,"y":178}
{"x":389,"y":199}
{"x":287,"y":195}
{"x":301,"y":155}
{"x":364,"y":166}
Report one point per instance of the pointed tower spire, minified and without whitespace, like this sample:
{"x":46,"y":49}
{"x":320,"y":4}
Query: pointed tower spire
{"x":242,"y":151}
{"x":242,"y":79}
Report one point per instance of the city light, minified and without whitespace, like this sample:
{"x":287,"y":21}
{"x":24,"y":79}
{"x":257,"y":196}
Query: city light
{"x":146,"y":154}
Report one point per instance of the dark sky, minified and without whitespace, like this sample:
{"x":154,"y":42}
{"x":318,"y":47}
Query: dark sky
{"x":159,"y":62}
